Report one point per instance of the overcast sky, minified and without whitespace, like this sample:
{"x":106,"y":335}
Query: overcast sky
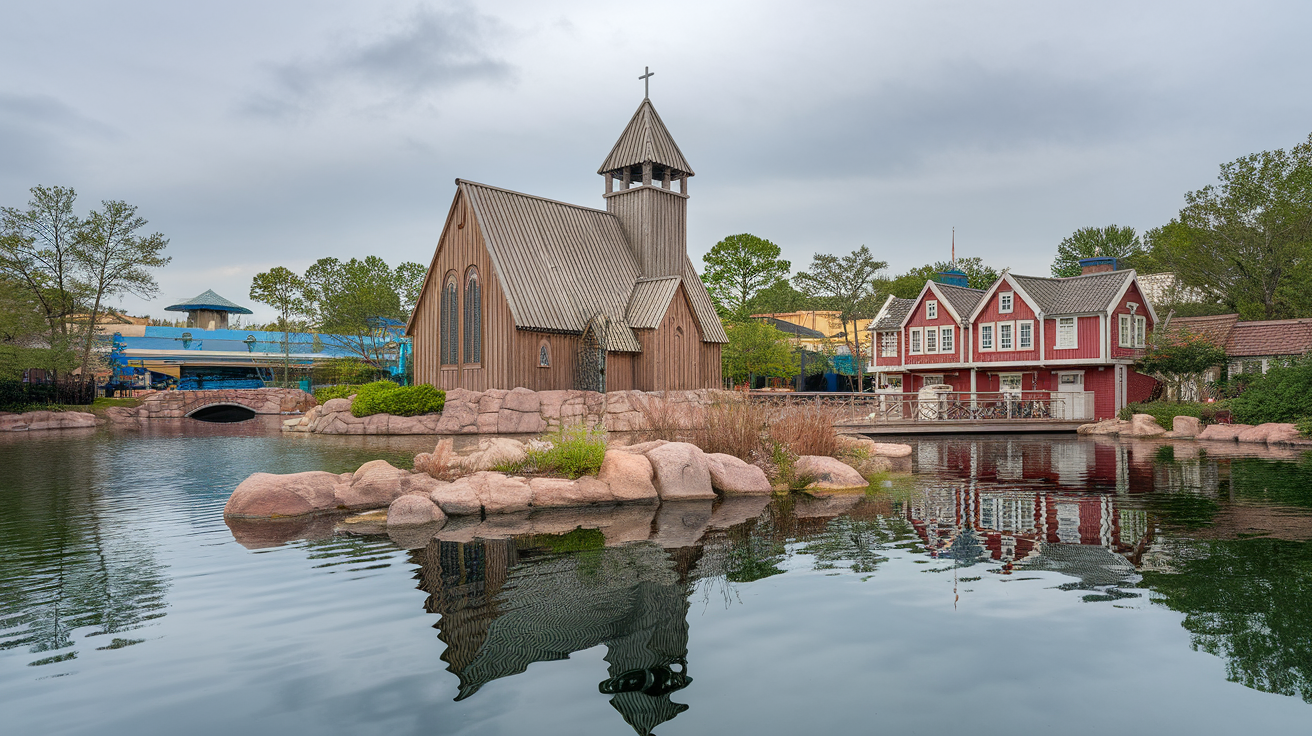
{"x":257,"y":134}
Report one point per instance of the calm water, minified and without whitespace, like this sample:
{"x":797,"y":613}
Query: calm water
{"x":1043,"y":583}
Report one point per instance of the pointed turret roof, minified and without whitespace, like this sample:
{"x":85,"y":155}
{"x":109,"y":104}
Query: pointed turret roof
{"x":209,"y":300}
{"x":646,"y":139}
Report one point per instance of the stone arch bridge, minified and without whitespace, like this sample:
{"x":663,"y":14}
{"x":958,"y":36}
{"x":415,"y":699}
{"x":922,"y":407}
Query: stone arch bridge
{"x":171,"y":404}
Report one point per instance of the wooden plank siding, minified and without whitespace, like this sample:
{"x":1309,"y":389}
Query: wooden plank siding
{"x":655,"y":222}
{"x":1088,"y":339}
{"x":1021,"y":311}
{"x":1114,"y":326}
{"x":673,"y":355}
{"x":919,"y":318}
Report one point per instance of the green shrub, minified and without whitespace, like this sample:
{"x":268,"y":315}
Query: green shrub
{"x":1304,"y":426}
{"x":385,"y":397}
{"x":1284,"y":394}
{"x":323,"y":394}
{"x":572,"y":451}
{"x":1166,"y":411}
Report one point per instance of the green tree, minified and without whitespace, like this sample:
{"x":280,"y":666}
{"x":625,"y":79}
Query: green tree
{"x":1178,"y":356}
{"x":346,"y":300}
{"x":1282,"y":394}
{"x":1089,"y":242}
{"x":738,"y":268}
{"x":281,"y":289}
{"x":758,"y":349}
{"x":909,"y":284}
{"x":1246,"y":240}
{"x":409,"y":285}
{"x":846,"y":284}
{"x":37,"y":251}
{"x":778,"y":298}
{"x":113,"y":260}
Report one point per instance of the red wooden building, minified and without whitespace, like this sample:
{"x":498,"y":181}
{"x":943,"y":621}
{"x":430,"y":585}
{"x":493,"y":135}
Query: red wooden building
{"x":1070,"y":342}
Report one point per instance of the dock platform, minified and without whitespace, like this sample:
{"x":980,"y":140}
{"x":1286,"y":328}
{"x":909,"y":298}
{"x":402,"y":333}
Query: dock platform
{"x":960,"y":426}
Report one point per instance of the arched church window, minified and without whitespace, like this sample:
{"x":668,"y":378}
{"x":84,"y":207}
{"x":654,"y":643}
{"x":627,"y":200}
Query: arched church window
{"x":473,"y":318}
{"x":544,"y":355}
{"x":448,"y":327}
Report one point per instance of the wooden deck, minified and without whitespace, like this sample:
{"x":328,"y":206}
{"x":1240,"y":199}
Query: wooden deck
{"x":960,"y":426}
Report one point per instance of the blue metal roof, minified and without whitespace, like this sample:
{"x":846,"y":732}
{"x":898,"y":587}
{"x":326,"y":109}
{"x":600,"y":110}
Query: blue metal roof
{"x":209,"y":300}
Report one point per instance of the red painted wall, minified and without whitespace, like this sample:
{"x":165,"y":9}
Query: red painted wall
{"x":887,"y":361}
{"x":1140,"y":386}
{"x":918,"y":319}
{"x":1103,"y":384}
{"x":1131,"y":295}
{"x":1021,"y":310}
{"x":1086,"y":340}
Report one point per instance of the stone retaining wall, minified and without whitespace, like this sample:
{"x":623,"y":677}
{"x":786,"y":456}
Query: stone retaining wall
{"x":31,"y":421}
{"x":518,"y":411}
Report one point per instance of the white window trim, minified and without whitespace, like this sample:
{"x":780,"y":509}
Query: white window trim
{"x":915,"y":341}
{"x":1029,"y":322}
{"x":1010,"y":302}
{"x":931,"y":333}
{"x":998,"y":336}
{"x":1075,"y":334}
{"x":1070,"y":373}
{"x":931,"y":309}
{"x":993,"y":338}
{"x":1140,"y":331}
{"x":1002,"y":382}
{"x":1125,"y":331}
{"x":952,"y":338}
{"x":888,"y":344}
{"x":928,"y":376}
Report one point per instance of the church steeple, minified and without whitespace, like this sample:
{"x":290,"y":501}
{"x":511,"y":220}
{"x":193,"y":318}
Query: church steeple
{"x":640,"y":174}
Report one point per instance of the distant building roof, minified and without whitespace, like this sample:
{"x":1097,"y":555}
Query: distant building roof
{"x":806,"y":333}
{"x":1216,"y":328}
{"x":209,"y":301}
{"x":1272,"y":337}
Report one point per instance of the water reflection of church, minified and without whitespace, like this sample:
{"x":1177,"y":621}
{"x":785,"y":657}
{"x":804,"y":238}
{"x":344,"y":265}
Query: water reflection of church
{"x":499,"y":615}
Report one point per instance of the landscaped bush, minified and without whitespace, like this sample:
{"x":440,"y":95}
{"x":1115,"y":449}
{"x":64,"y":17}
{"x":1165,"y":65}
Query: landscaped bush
{"x":1284,"y":394}
{"x":572,"y":451}
{"x":385,"y":397}
{"x":1304,"y":426}
{"x":1166,"y":411}
{"x":324,"y":394}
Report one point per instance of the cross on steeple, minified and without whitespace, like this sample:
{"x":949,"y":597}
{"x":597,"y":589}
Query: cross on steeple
{"x":646,"y":82}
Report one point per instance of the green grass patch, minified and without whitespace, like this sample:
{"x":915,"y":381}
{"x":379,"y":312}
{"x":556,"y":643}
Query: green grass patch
{"x":1165,"y":412}
{"x":572,"y":452}
{"x":385,"y":397}
{"x":325,"y":394}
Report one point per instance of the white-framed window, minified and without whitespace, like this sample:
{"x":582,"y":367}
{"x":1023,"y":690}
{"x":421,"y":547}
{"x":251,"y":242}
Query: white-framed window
{"x":1066,"y":339}
{"x":1009,"y":382}
{"x":915,"y":340}
{"x":1005,"y":300}
{"x":1140,"y":331}
{"x":986,"y":337}
{"x":931,"y":339}
{"x":933,"y":379}
{"x":1025,"y":335}
{"x":1073,"y":381}
{"x":1005,"y":334}
{"x":1125,"y":333}
{"x":946,"y":340}
{"x":888,"y":344}
{"x":931,"y":309}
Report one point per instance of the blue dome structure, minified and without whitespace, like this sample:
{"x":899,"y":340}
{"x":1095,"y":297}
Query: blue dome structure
{"x":208,"y":311}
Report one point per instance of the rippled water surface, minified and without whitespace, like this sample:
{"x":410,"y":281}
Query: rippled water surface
{"x":1042,"y":582}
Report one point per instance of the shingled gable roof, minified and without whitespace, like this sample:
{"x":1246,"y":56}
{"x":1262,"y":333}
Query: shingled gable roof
{"x":892,"y":314}
{"x":1096,"y":292}
{"x":645,"y":139}
{"x":961,"y":300}
{"x":562,"y":266}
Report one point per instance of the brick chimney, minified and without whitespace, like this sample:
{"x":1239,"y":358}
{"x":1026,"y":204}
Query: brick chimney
{"x":1097,"y":264}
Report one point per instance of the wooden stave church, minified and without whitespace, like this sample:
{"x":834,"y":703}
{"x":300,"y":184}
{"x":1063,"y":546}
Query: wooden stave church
{"x":547,"y":295}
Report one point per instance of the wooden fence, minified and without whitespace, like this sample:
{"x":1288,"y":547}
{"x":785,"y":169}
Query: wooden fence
{"x":955,"y":405}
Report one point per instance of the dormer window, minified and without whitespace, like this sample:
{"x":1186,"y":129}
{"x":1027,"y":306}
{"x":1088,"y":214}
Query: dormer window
{"x":931,"y":309}
{"x":1005,"y":300}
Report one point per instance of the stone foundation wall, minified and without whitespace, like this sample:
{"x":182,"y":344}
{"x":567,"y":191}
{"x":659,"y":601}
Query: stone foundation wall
{"x":32,"y":421}
{"x":517,"y":411}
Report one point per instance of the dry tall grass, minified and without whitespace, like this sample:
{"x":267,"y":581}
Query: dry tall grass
{"x":805,"y":429}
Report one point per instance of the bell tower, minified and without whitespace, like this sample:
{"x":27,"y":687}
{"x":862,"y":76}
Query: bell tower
{"x":640,"y":172}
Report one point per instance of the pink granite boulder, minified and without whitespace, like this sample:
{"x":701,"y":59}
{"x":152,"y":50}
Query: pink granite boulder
{"x":827,"y":474}
{"x":413,"y":510}
{"x":681,"y":472}
{"x":458,"y":498}
{"x":1269,"y":432}
{"x":734,"y":476}
{"x":566,"y":493}
{"x":629,"y":477}
{"x":1186,"y":426}
{"x":1223,"y":432}
{"x":1143,"y":425}
{"x":269,"y":496}
{"x":500,"y":494}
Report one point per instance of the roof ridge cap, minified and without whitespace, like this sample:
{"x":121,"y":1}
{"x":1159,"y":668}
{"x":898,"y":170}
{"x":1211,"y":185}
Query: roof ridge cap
{"x":467,"y":182}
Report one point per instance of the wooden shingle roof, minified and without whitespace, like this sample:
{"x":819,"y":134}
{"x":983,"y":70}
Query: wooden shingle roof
{"x":645,"y":140}
{"x":1075,"y":294}
{"x":561,"y":266}
{"x":962,"y":298}
{"x":1270,"y":337}
{"x":890,"y":318}
{"x":650,"y":300}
